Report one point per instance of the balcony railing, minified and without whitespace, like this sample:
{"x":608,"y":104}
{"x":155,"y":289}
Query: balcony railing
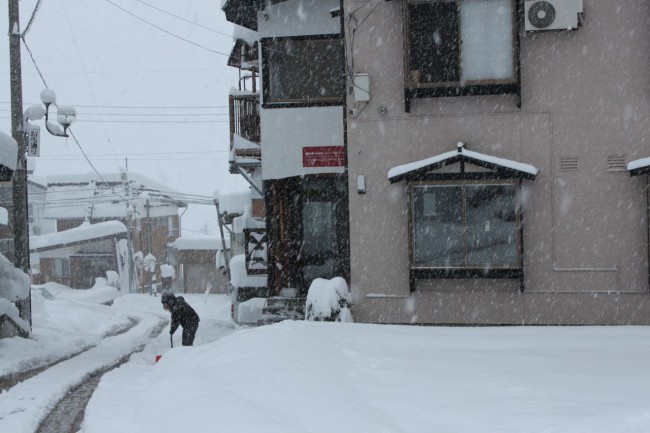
{"x":245,"y":117}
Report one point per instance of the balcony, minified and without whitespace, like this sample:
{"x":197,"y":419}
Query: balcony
{"x":245,"y":150}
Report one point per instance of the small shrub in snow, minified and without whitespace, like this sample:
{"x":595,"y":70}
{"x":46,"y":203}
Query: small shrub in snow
{"x":328,"y":301}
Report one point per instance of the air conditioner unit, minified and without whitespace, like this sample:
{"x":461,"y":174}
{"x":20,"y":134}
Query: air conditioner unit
{"x":552,"y":14}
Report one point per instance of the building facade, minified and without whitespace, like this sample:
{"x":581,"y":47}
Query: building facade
{"x":495,"y":156}
{"x":296,"y":162}
{"x":535,"y":219}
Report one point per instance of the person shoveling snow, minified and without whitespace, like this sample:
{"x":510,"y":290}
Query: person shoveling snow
{"x":183,"y":315}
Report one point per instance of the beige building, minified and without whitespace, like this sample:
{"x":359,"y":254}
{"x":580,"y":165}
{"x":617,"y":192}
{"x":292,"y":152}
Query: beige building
{"x":536,"y":219}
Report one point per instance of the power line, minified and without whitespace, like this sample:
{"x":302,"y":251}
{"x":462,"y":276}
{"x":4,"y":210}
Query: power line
{"x":183,"y":19}
{"x":200,"y":152}
{"x":90,"y":87}
{"x":166,"y":31}
{"x":135,"y":106}
{"x":150,"y":121}
{"x":153,"y":114}
{"x":32,"y":18}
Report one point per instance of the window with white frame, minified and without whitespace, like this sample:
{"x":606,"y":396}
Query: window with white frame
{"x":458,"y":44}
{"x":303,"y":70}
{"x":465,"y":224}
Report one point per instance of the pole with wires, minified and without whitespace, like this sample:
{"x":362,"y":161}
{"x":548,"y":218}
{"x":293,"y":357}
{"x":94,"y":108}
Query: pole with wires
{"x":19,"y":180}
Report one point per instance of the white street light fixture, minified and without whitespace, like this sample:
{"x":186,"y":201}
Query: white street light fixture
{"x":65,"y":115}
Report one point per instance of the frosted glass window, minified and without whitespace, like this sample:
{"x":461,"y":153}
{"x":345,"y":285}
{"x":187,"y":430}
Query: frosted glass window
{"x":486,"y":35}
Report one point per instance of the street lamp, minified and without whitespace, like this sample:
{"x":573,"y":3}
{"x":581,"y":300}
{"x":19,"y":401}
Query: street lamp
{"x":65,"y":116}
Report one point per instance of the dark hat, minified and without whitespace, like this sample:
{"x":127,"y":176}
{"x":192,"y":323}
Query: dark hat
{"x":168,"y":298}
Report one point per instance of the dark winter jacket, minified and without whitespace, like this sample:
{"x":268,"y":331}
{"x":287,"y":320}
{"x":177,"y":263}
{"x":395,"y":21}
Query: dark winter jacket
{"x":183,"y":315}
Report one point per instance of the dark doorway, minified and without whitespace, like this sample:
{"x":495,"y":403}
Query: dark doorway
{"x":308,"y":231}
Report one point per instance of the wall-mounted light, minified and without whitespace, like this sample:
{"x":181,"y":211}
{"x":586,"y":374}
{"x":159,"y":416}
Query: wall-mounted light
{"x":361,"y":184}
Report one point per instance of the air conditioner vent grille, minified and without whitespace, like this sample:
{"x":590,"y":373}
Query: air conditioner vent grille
{"x":616,"y":163}
{"x":569,"y":163}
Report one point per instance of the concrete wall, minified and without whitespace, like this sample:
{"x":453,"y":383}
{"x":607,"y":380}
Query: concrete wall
{"x":585,"y":94}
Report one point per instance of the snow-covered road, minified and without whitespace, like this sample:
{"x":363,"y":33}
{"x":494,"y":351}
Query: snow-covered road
{"x":25,"y":405}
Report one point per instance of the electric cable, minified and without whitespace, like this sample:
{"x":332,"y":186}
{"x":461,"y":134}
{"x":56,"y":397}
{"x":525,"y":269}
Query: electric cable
{"x":183,"y":19}
{"x":166,"y":31}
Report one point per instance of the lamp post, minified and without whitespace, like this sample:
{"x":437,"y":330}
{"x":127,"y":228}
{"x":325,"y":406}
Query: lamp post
{"x":19,"y":179}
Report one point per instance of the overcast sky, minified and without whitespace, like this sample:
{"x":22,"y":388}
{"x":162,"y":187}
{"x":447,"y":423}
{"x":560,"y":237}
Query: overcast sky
{"x":149,"y":81}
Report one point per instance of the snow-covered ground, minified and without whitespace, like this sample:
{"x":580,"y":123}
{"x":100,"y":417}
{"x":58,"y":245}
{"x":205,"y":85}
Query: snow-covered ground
{"x":314,"y":377}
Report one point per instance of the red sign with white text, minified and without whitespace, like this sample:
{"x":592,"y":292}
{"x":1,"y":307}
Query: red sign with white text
{"x":323,"y":156}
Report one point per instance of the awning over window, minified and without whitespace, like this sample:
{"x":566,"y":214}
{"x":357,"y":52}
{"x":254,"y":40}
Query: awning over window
{"x":502,"y":167}
{"x":639,"y":166}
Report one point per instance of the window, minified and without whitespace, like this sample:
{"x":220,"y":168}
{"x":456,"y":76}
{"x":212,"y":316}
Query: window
{"x":62,"y":268}
{"x":461,"y":47}
{"x":6,"y":194}
{"x":303,"y":71}
{"x":465,"y":224}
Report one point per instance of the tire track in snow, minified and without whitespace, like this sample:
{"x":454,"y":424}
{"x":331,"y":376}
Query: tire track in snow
{"x":68,"y":414}
{"x":26,"y":405}
{"x":12,"y":379}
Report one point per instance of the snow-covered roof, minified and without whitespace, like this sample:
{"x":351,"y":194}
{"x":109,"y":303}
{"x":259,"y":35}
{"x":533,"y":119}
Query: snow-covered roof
{"x":8,"y":151}
{"x":200,"y":243}
{"x":233,"y":200}
{"x":84,"y":233}
{"x":639,"y":166}
{"x":34,"y":179}
{"x":416,"y":170}
{"x":74,"y":196}
{"x":137,"y":180}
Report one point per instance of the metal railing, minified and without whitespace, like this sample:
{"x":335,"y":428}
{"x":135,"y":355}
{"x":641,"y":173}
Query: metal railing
{"x":244,"y":117}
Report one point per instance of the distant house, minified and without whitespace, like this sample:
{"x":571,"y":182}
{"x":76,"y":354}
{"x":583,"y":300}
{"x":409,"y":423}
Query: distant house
{"x":36,"y":191}
{"x":75,"y":257}
{"x":195,"y":261}
{"x":148,"y":209}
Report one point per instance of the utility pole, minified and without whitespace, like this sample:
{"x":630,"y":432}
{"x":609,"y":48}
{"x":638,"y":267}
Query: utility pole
{"x":19,"y":181}
{"x":129,"y":218}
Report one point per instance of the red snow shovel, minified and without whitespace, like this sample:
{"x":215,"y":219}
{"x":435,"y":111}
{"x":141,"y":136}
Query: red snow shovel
{"x":171,"y":341}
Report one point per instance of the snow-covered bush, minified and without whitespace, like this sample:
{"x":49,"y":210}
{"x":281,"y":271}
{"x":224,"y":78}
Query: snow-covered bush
{"x":328,"y":301}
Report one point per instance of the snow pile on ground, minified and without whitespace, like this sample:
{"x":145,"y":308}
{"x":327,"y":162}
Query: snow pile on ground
{"x":312,"y":377}
{"x":328,"y":300}
{"x":59,"y":327}
{"x":299,"y":376}
{"x":15,"y":283}
{"x":100,"y":293}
